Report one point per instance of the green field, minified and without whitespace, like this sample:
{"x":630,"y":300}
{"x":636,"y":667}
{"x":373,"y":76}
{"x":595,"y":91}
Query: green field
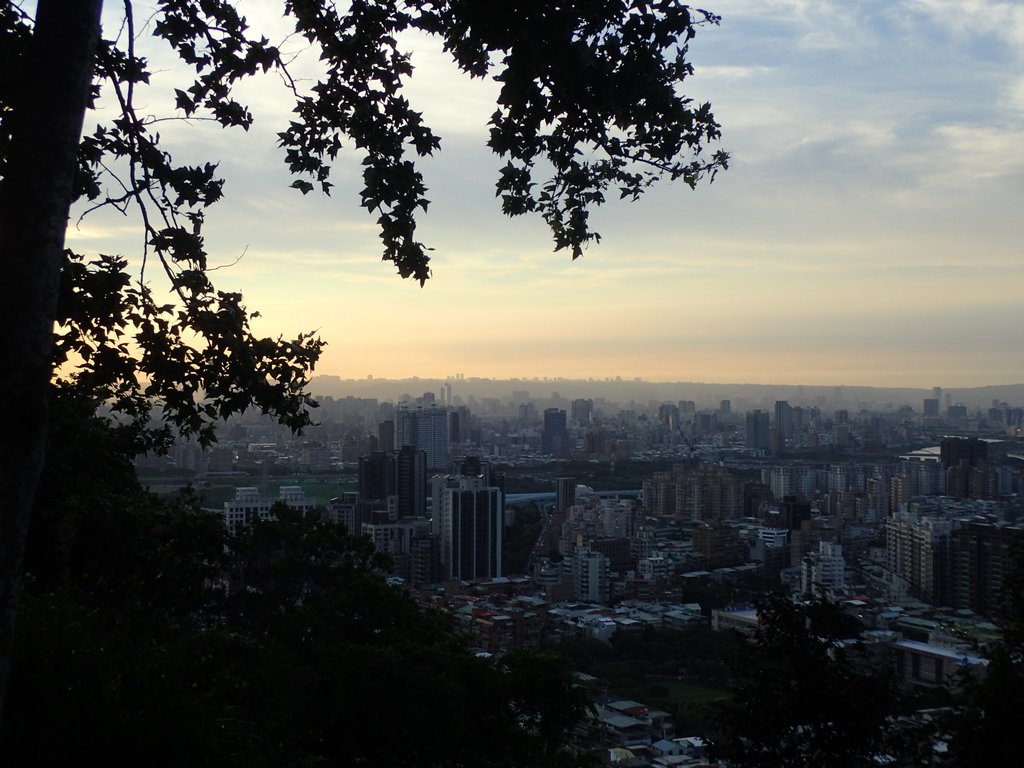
{"x":214,"y":492}
{"x":681,"y":693}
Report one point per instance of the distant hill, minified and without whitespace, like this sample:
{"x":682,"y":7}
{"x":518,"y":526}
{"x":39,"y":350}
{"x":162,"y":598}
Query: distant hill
{"x":705,"y":395}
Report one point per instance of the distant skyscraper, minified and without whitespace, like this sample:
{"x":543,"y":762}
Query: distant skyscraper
{"x":565,"y":493}
{"x":931,"y":407}
{"x":555,"y":437}
{"x":386,"y":435}
{"x":783,"y":416}
{"x":473,"y":466}
{"x":725,"y":407}
{"x":582,"y":411}
{"x":955,"y":412}
{"x":757,"y":431}
{"x":782,"y":425}
{"x":376,"y":478}
{"x":395,"y":482}
{"x":953,"y":450}
{"x":668,"y":414}
{"x":454,"y":427}
{"x":410,"y":482}
{"x":460,"y":425}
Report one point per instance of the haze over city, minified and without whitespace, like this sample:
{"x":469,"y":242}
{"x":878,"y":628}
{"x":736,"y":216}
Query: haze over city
{"x":866,"y":233}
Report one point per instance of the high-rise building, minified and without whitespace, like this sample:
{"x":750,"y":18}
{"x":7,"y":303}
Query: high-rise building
{"x":956,"y":412}
{"x":425,"y":429}
{"x":917,"y":550}
{"x":793,"y":512}
{"x":376,"y":478}
{"x":395,"y":481}
{"x":953,"y":450}
{"x":590,"y":575}
{"x":922,"y":477}
{"x":425,"y":559}
{"x":966,"y":474}
{"x":565,"y":493}
{"x":981,"y":558}
{"x":346,"y":510}
{"x":783,"y":417}
{"x":469,"y":517}
{"x":695,"y":492}
{"x":782,"y":427}
{"x":410,"y":483}
{"x":823,"y":570}
{"x":554,"y":439}
{"x":757,"y":431}
{"x":720,"y":545}
{"x":394,"y":538}
{"x":249,"y":506}
{"x":402,"y":541}
{"x":705,"y":423}
{"x":582,"y":411}
{"x":454,"y":430}
{"x":668,"y":414}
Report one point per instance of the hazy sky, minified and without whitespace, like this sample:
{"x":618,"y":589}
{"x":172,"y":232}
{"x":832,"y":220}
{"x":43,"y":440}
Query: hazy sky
{"x":869,"y":231}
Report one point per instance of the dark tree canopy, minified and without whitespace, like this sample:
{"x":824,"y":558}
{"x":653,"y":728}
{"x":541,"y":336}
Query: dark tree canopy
{"x":806,"y":695}
{"x":148,"y":636}
{"x":590,"y":104}
{"x":983,"y":727}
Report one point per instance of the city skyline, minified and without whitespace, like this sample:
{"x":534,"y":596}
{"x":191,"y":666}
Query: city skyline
{"x":866,"y":233}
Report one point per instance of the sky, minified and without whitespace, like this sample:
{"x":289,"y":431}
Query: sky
{"x":869,"y":230}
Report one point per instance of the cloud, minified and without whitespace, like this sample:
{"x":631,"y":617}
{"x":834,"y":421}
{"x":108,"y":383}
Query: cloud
{"x":967,"y":19}
{"x":866,"y":232}
{"x":91,"y":231}
{"x":727,"y":72}
{"x":814,"y":25}
{"x":975,"y":152}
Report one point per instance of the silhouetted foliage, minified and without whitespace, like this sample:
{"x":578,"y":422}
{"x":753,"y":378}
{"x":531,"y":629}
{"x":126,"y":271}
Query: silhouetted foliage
{"x":590,"y":104}
{"x":589,"y":94}
{"x":520,"y":538}
{"x":698,"y":654}
{"x":984,"y":728}
{"x":674,"y":670}
{"x":806,"y":695}
{"x":150,"y":637}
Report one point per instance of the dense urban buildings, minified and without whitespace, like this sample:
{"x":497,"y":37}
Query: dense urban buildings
{"x":916,"y":501}
{"x":658,"y":515}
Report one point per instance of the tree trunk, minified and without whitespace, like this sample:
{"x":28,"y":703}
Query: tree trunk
{"x":35,"y":195}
